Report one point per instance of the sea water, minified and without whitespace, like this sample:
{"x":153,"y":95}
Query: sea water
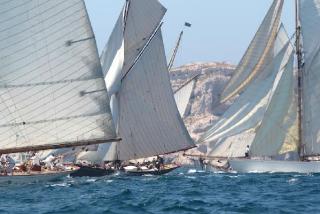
{"x":182,"y":191}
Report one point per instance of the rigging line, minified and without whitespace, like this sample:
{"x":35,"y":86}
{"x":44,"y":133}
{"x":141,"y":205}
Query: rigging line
{"x":175,"y":51}
{"x":125,"y":16}
{"x":44,"y":73}
{"x":57,"y":47}
{"x":57,"y":44}
{"x":195,"y":77}
{"x":62,"y":110}
{"x":143,"y":50}
{"x":49,"y":86}
{"x":62,"y":102}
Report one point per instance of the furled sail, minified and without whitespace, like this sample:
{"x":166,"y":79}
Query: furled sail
{"x":240,"y":120}
{"x":52,"y":89}
{"x":258,"y":54}
{"x":279,"y":124}
{"x":183,"y":94}
{"x":310,"y":22}
{"x":149,"y":122}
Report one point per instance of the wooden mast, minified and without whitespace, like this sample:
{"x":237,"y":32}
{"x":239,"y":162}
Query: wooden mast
{"x":300,"y":78}
{"x":175,"y":51}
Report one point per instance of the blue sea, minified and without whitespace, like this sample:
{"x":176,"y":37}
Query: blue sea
{"x":182,"y":191}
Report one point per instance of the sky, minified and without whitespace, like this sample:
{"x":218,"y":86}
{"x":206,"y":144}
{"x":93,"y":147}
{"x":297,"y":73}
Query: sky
{"x":221,"y":29}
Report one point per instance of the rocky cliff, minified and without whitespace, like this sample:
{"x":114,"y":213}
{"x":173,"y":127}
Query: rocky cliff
{"x":204,"y":106}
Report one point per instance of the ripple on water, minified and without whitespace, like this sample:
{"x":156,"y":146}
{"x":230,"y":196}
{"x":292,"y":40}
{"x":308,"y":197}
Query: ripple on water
{"x":178,"y":192}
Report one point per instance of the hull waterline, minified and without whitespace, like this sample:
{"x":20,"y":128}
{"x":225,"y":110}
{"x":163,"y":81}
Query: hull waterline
{"x":274,"y":166}
{"x":34,"y":177}
{"x":86,"y":171}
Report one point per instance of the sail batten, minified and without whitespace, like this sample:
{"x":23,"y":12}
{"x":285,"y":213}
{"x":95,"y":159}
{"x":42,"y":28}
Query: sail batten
{"x":52,"y":89}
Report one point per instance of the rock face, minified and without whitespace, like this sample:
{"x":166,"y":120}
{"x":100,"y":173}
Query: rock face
{"x":204,"y":107}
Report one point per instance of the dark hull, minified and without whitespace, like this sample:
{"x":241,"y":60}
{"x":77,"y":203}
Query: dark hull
{"x":86,"y":171}
{"x":160,"y":172}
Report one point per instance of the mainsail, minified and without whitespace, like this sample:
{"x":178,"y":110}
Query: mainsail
{"x":142,"y":103}
{"x":240,"y":120}
{"x":149,"y":122}
{"x":310,"y":22}
{"x":52,"y":89}
{"x":258,"y":54}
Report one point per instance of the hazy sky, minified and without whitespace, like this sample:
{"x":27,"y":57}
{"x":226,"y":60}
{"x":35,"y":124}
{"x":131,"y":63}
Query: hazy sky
{"x":221,"y":29}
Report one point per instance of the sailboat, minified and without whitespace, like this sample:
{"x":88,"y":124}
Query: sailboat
{"x":52,"y":88}
{"x":141,"y":98}
{"x":284,"y":138}
{"x":275,"y":132}
{"x":266,"y":57}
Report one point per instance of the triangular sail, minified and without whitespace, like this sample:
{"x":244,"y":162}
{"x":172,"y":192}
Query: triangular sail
{"x":52,"y":89}
{"x":240,"y":120}
{"x":310,"y":21}
{"x":183,"y":94}
{"x":143,"y":17}
{"x":279,"y":125}
{"x":136,"y":23}
{"x":258,"y":55}
{"x":149,"y":122}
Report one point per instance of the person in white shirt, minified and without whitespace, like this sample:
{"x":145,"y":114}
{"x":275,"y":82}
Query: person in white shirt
{"x":49,"y":162}
{"x":247,"y":151}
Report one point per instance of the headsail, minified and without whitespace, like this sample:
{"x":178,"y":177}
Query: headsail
{"x":52,"y":89}
{"x":183,"y":94}
{"x":310,"y":22}
{"x":240,"y":120}
{"x":278,"y":133}
{"x":258,"y":54}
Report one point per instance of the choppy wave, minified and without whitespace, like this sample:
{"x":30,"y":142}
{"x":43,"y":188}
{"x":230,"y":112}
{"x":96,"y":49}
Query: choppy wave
{"x":183,"y":191}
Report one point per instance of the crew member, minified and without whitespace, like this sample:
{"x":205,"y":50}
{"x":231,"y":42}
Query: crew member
{"x":247,"y":151}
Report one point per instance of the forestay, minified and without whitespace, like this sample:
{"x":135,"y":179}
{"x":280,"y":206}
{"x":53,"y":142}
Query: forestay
{"x":240,"y":120}
{"x":258,"y":54}
{"x":52,"y":90}
{"x":310,"y":22}
{"x":149,"y":122}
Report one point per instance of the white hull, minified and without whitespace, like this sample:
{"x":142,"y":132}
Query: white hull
{"x":37,"y":177}
{"x":273,"y":166}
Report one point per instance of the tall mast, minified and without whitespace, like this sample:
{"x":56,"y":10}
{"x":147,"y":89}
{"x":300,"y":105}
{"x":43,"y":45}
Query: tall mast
{"x":300,"y":76}
{"x":175,"y":50}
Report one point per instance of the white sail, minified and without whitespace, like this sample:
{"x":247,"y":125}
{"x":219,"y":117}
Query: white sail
{"x":183,"y":94}
{"x":52,"y":89}
{"x":248,"y":109}
{"x":143,"y":17}
{"x":310,"y":22}
{"x":258,"y":54}
{"x":149,"y":122}
{"x":135,"y":25}
{"x":279,"y":124}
